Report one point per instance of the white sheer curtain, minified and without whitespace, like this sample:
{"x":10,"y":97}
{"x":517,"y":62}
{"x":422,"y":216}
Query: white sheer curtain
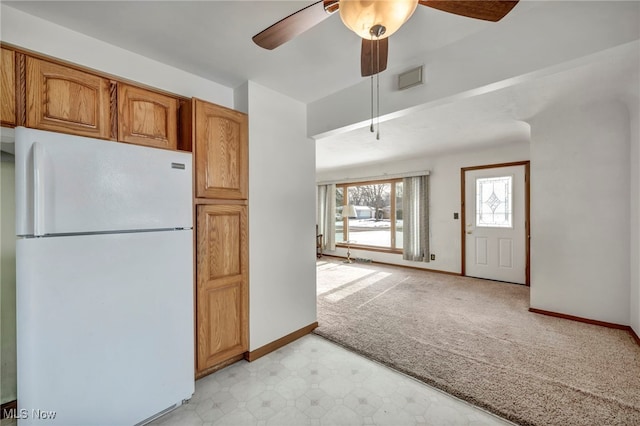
{"x":415,"y":218}
{"x":327,"y":215}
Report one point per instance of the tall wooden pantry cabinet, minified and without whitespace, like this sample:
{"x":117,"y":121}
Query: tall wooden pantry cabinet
{"x":220,"y":138}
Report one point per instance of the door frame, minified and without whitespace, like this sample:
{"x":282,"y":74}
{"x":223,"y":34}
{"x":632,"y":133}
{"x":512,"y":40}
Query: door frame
{"x":527,"y":209}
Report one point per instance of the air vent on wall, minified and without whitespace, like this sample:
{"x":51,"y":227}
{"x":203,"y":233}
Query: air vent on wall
{"x":410,"y":78}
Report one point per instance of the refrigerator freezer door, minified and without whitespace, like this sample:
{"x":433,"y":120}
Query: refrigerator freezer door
{"x":104,"y":327}
{"x":70,"y":184}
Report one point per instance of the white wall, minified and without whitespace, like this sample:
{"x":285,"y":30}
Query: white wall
{"x":282,"y":269}
{"x":580,"y":216}
{"x":445,"y":237}
{"x":7,"y":282}
{"x":35,"y":34}
{"x":634,"y":114}
{"x":241,"y":98}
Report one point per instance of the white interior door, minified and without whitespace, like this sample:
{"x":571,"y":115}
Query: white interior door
{"x":495,"y":228}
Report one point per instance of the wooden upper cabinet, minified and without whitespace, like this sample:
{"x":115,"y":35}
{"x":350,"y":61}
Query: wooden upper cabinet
{"x":63,"y":99}
{"x":221,"y":145}
{"x":147,"y":118}
{"x":8,"y":94}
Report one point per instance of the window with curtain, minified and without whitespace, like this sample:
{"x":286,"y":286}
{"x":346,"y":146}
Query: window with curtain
{"x":383,"y":215}
{"x":369,"y":215}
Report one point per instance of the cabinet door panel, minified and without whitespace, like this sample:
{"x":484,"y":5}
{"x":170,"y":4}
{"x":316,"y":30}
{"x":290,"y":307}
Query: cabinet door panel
{"x":224,"y":310}
{"x":8,"y":72}
{"x":222,"y":293}
{"x":147,"y":118}
{"x":66,"y":100}
{"x":224,"y":245}
{"x":221,"y":152}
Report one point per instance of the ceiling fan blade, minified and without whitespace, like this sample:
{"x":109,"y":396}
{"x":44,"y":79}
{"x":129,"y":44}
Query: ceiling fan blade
{"x":369,"y":59}
{"x":295,"y":24}
{"x":488,"y":10}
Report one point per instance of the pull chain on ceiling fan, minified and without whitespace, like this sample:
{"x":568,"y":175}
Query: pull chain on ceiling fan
{"x":376,"y":31}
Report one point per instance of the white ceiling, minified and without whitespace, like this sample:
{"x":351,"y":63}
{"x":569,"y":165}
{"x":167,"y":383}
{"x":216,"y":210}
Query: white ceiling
{"x":494,"y":118}
{"x":212,"y":39}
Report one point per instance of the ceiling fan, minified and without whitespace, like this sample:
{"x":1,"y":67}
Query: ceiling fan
{"x":374,"y":20}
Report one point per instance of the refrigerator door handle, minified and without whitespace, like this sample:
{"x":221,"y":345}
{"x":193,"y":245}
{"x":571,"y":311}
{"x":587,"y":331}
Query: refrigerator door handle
{"x":38,"y":189}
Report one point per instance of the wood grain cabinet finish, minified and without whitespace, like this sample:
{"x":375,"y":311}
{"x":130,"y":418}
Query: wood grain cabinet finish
{"x":222,"y":285}
{"x":63,"y":99}
{"x":8,"y":94}
{"x":221,"y":145}
{"x":147,"y":118}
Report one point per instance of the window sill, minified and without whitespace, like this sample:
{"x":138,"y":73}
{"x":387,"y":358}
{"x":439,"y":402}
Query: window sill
{"x":370,"y":248}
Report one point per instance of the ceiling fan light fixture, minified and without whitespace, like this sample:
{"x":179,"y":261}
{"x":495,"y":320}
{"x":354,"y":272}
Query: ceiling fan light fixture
{"x":360,"y":16}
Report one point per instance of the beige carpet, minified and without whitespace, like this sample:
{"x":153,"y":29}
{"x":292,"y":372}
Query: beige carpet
{"x":475,"y":339}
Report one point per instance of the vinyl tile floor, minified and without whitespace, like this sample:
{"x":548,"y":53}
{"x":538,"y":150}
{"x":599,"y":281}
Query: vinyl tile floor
{"x":315,"y":382}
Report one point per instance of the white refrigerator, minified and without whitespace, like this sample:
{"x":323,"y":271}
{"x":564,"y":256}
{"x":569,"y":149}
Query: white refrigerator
{"x":104,"y":291}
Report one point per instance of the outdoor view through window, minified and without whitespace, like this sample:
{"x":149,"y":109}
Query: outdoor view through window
{"x":370,"y":214}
